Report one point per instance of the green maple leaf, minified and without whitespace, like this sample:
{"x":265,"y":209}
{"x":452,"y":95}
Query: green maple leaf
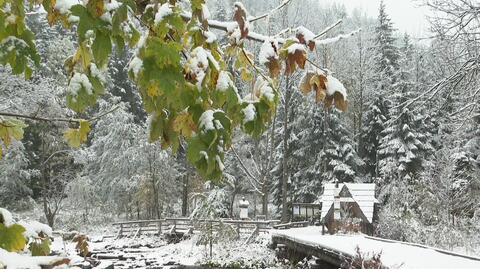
{"x":11,"y":238}
{"x":76,"y":137}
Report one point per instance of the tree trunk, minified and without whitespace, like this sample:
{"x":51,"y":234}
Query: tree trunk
{"x":185,"y":196}
{"x":285,"y":154}
{"x":265,"y":197}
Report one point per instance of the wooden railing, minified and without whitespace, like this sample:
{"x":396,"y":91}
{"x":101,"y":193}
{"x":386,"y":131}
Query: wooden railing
{"x":291,"y":225}
{"x":159,"y":226}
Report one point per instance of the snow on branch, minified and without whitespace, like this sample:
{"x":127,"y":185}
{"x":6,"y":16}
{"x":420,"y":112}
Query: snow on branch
{"x":336,"y":38}
{"x":268,"y":14}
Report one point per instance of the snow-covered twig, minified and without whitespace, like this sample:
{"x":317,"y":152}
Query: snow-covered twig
{"x":283,"y":4}
{"x":336,"y":38}
{"x":326,"y":30}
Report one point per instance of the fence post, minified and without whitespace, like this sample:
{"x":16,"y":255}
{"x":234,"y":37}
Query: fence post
{"x":159,"y":227}
{"x":120,"y":233}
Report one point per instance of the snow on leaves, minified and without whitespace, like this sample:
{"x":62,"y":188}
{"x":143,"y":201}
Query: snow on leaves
{"x":295,"y":55}
{"x":178,"y":67}
{"x":327,"y":88}
{"x":15,"y":236}
{"x":268,"y":56}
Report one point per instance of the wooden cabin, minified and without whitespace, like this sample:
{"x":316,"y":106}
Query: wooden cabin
{"x":348,"y":207}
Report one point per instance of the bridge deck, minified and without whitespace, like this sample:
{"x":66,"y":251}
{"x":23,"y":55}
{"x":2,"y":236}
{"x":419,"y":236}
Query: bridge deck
{"x":395,"y":254}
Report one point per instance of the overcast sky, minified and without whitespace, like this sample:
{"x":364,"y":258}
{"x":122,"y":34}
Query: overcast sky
{"x":406,"y":15}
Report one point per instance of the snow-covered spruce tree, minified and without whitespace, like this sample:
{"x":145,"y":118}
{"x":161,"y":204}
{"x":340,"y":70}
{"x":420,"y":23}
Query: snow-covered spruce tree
{"x":387,"y":55}
{"x":403,"y":147}
{"x":385,"y":65}
{"x":375,"y":118}
{"x":322,"y":150}
{"x":338,"y":153}
{"x":465,"y":175}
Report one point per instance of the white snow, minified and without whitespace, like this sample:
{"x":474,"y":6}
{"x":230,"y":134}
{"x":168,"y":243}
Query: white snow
{"x":267,"y":51}
{"x":95,"y":72}
{"x":307,"y":34}
{"x":197,"y":64}
{"x":7,"y":217}
{"x":210,"y":36}
{"x":224,"y":81}
{"x":206,"y":121}
{"x":77,"y":82}
{"x":63,"y":6}
{"x":336,"y":38}
{"x":249,"y":113}
{"x":393,"y":253}
{"x":163,"y":11}
{"x":334,"y":85}
{"x":135,"y":65}
{"x":13,"y":260}
{"x":33,"y":228}
{"x":112,"y":5}
{"x":296,"y":46}
{"x":264,"y":89}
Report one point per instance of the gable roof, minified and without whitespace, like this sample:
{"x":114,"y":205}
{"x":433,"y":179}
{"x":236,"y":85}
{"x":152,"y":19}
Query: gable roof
{"x":362,"y":193}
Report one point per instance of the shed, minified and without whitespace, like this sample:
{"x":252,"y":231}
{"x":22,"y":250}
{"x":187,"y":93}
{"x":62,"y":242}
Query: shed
{"x":349,"y":206}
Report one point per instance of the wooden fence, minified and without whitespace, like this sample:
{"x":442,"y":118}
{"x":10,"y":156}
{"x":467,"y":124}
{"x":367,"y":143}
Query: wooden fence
{"x":160,"y":226}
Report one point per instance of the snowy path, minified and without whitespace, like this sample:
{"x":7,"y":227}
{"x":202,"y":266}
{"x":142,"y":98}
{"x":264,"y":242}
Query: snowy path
{"x":394,"y":254}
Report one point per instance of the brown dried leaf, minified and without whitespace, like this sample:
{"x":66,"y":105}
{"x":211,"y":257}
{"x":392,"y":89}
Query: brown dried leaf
{"x":240,"y":16}
{"x":301,"y":38}
{"x":305,"y":86}
{"x":274,"y":67}
{"x":321,"y":94}
{"x":328,"y":102}
{"x":311,"y":45}
{"x":340,"y":101}
{"x":299,"y":57}
{"x":318,"y":81}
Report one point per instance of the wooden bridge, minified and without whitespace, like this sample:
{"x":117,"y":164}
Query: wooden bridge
{"x":186,"y":225}
{"x":333,"y":251}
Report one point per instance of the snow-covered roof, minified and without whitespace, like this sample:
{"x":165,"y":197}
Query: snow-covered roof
{"x":362,"y":193}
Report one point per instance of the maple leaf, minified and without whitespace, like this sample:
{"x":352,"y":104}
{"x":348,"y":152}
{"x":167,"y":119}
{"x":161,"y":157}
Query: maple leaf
{"x":184,"y":124}
{"x":75,"y":137}
{"x":11,"y":237}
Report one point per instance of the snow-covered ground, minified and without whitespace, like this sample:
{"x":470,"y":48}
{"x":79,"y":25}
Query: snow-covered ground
{"x":393,"y":254}
{"x":152,"y":250}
